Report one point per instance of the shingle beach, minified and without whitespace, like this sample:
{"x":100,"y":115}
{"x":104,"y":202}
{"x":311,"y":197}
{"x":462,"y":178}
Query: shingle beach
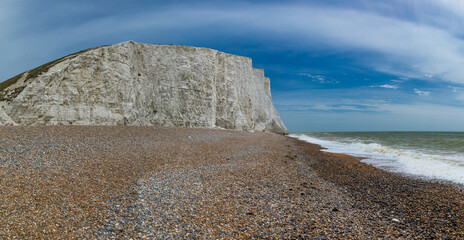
{"x":76,"y":182}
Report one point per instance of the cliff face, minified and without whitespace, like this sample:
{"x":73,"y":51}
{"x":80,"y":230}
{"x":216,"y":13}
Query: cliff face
{"x":142,"y":84}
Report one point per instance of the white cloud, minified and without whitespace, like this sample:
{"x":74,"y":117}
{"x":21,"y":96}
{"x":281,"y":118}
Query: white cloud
{"x":418,"y":48}
{"x":458,"y":93}
{"x":421,"y":93}
{"x":325,"y":107}
{"x":456,"y":89}
{"x":397,"y":80}
{"x":455,"y":6}
{"x":384,"y":117}
{"x":421,"y":49}
{"x":320,"y":79}
{"x":389,"y":86}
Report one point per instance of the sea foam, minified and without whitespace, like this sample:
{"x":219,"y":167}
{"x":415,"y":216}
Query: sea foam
{"x":441,"y":166}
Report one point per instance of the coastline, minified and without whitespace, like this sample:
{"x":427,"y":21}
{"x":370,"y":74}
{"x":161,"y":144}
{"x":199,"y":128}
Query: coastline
{"x":122,"y":182}
{"x":434,"y":156}
{"x":424,"y":208}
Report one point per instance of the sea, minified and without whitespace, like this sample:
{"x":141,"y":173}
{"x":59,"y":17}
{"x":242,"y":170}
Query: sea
{"x":428,"y":155}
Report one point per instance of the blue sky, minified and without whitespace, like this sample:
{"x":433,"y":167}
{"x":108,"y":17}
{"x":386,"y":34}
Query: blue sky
{"x":357,"y":65}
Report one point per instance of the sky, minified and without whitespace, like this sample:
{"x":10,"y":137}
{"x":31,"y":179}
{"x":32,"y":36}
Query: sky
{"x":335,"y":65}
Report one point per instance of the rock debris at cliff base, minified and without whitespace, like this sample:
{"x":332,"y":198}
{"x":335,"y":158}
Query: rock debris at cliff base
{"x":75,"y":182}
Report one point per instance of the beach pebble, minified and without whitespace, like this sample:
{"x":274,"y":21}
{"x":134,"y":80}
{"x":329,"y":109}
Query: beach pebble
{"x":179,"y":183}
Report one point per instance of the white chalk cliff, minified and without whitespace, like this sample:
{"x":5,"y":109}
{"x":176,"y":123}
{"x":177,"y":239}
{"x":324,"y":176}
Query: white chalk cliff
{"x":143,"y":84}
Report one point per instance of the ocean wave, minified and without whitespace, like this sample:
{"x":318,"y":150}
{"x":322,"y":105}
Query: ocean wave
{"x":444,"y":166}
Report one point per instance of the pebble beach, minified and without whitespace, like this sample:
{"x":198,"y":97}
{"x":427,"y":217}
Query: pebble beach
{"x":121,"y":182}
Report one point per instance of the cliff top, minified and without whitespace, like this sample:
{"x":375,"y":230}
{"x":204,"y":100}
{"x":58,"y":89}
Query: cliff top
{"x":30,"y":74}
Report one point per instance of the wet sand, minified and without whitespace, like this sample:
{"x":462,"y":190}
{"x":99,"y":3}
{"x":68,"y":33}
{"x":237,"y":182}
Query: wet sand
{"x":74,"y":182}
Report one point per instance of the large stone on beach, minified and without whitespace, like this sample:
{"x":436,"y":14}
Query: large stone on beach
{"x":143,"y":84}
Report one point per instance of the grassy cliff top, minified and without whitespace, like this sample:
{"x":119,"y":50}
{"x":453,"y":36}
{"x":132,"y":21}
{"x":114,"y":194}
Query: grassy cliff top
{"x":41,"y":69}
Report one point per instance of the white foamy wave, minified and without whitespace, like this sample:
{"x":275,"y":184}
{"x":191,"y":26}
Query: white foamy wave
{"x":415,"y":162}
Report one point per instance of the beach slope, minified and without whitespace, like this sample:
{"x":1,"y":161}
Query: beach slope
{"x":125,"y":182}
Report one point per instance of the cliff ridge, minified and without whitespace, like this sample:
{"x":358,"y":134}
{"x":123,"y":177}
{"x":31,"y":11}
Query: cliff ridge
{"x":143,"y":84}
